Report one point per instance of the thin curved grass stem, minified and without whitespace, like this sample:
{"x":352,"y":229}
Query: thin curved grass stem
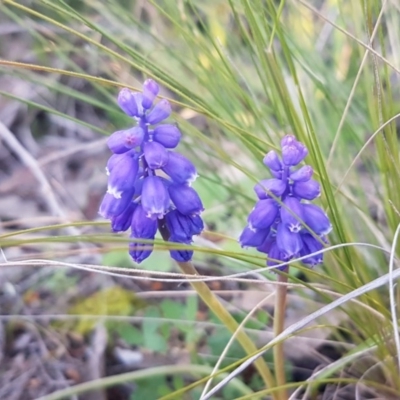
{"x":226,"y":318}
{"x":279,"y":321}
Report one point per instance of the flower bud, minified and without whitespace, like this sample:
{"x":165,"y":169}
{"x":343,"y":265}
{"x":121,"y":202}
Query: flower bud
{"x":288,"y":140}
{"x":168,"y":135}
{"x":293,"y":154}
{"x":122,"y":141}
{"x":303,"y":174}
{"x":306,"y":190}
{"x":150,"y":91}
{"x":272,"y":161}
{"x":127,"y":102}
{"x":275,"y":186}
{"x":155,"y":154}
{"x":161,"y":111}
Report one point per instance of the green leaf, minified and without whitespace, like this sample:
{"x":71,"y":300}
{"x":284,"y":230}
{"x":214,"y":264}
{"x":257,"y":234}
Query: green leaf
{"x":130,"y":334}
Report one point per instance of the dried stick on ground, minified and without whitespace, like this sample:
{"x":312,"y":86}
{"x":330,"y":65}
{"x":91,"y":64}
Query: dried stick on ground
{"x":31,"y":163}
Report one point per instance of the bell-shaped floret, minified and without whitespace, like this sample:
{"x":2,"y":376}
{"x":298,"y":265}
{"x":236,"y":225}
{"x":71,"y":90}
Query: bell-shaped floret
{"x":111,"y":207}
{"x":143,"y":227}
{"x":168,"y":135}
{"x":138,"y":186}
{"x":292,"y":214}
{"x":272,"y":161}
{"x":265,"y":246}
{"x":139,"y":251}
{"x":288,"y":243}
{"x":316,"y":219}
{"x":186,"y":199}
{"x":303,"y":174}
{"x":253,"y":237}
{"x":127,"y":102}
{"x":183,"y":227}
{"x":276,"y":257}
{"x":180,"y":255}
{"x":112,"y":161}
{"x":123,"y":174}
{"x":150,"y":91}
{"x":266,"y":186}
{"x":155,"y":154}
{"x":125,"y":140}
{"x":197,"y":224}
{"x":308,"y":190}
{"x":179,"y":168}
{"x":312,"y":245}
{"x":122,"y":222}
{"x":155,"y":199}
{"x":161,"y":111}
{"x":263,"y":214}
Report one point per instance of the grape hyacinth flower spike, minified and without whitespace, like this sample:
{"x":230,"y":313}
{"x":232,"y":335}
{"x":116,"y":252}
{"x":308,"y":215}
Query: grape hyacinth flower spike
{"x":138,"y":195}
{"x":291,"y":227}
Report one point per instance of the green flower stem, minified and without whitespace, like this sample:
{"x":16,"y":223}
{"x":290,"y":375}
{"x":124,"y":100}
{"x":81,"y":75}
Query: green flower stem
{"x":279,"y":321}
{"x":226,"y":318}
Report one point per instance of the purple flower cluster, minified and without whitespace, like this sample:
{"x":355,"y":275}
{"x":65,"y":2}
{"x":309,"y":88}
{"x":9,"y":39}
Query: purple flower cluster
{"x":149,"y":185}
{"x":287,"y":228}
